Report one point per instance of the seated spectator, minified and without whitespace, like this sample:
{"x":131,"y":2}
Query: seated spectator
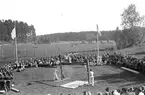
{"x":131,"y":91}
{"x":89,"y":93}
{"x":107,"y":91}
{"x":143,"y":88}
{"x":84,"y":93}
{"x":124,"y":91}
{"x":141,"y":91}
{"x":99,"y":93}
{"x":115,"y":92}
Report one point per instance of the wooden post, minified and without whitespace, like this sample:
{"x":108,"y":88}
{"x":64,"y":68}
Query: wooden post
{"x":25,"y":52}
{"x":97,"y":44}
{"x":2,"y":52}
{"x":88,"y":71}
{"x":61,"y":69}
{"x":16,"y":50}
{"x":46,"y":52}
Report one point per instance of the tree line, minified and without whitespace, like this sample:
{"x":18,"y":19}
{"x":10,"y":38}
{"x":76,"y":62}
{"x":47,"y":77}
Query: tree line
{"x":74,"y":36}
{"x":132,"y":33}
{"x":123,"y":38}
{"x":24,"y":32}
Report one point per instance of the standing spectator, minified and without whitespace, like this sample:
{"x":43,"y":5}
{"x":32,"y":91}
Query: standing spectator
{"x":55,"y":74}
{"x":91,"y":77}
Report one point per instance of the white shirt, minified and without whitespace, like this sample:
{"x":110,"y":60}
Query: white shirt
{"x":141,"y":93}
{"x":89,"y":93}
{"x":91,"y":74}
{"x":116,"y":93}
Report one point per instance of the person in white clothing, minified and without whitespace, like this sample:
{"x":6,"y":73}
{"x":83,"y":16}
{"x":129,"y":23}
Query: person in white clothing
{"x":91,"y":77}
{"x":141,"y":92}
{"x":115,"y":92}
{"x":55,"y":74}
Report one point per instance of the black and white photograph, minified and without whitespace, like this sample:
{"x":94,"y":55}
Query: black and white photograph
{"x":72,"y":47}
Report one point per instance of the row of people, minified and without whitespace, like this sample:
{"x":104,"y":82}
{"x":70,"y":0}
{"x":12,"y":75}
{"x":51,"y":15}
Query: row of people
{"x":77,"y":58}
{"x":120,"y":91}
{"x":128,"y":61}
{"x":123,"y":91}
{"x":70,"y":58}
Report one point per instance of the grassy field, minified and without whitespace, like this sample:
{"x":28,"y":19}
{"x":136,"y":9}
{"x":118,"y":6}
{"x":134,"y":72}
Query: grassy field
{"x":30,"y":50}
{"x":39,"y":81}
{"x":138,"y":51}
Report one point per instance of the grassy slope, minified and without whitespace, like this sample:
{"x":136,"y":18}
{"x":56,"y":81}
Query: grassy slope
{"x":138,"y":51}
{"x":40,"y":80}
{"x":27,"y":50}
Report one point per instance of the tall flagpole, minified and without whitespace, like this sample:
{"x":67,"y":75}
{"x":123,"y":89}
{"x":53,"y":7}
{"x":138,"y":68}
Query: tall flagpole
{"x":97,"y":44}
{"x":16,"y":45}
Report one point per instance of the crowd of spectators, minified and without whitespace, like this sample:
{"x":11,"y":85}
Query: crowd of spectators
{"x":53,"y":61}
{"x":122,"y":91}
{"x":116,"y":59}
{"x":127,"y":61}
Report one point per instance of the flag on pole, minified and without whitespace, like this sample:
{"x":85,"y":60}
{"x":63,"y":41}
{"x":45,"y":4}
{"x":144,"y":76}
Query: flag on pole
{"x":13,"y":34}
{"x":29,"y":34}
{"x":98,"y":30}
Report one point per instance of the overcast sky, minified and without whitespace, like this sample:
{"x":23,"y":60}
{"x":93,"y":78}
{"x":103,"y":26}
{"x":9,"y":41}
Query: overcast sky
{"x":55,"y":16}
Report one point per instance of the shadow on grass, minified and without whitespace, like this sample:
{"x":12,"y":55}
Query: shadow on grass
{"x":41,"y":82}
{"x":123,"y":77}
{"x":139,"y":53}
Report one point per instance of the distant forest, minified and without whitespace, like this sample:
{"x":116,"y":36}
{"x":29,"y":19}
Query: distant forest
{"x":75,"y":36}
{"x":123,"y":38}
{"x":25,"y":33}
{"x":133,"y":33}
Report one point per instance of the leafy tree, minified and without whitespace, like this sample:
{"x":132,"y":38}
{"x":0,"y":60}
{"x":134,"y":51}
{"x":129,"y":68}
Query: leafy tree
{"x":22,"y":29}
{"x":131,"y":17}
{"x":132,"y":34}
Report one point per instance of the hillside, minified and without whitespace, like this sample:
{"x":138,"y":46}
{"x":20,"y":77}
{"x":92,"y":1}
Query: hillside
{"x":75,"y":36}
{"x":138,"y":50}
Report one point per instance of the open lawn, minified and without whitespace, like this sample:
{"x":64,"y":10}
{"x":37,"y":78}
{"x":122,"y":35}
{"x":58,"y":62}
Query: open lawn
{"x":31,"y":50}
{"x":138,"y":51}
{"x":41,"y":50}
{"x":39,"y":81}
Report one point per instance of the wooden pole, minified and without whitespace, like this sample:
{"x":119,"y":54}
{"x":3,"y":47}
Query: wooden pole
{"x":34,"y":52}
{"x":2,"y":52}
{"x":88,"y":71}
{"x":97,"y":45}
{"x":25,"y":52}
{"x":46,"y":52}
{"x":60,"y":64}
{"x":16,"y":46}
